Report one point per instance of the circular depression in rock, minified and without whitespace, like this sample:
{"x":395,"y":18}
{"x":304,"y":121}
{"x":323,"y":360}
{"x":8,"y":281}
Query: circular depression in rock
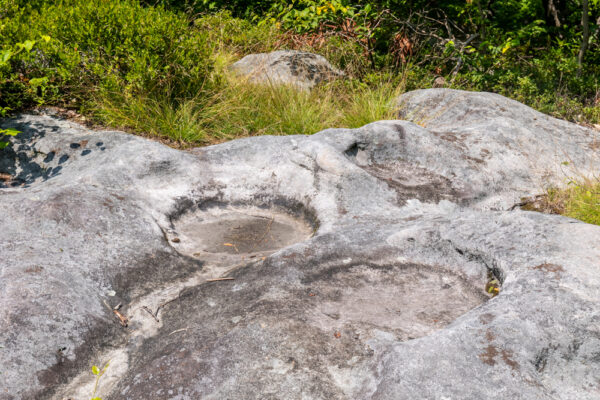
{"x":237,"y":230}
{"x":409,"y":301}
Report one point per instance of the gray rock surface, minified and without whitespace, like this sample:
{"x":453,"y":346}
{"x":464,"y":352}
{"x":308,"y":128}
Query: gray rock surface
{"x":356,"y":261}
{"x":290,"y":67}
{"x":498,"y":148}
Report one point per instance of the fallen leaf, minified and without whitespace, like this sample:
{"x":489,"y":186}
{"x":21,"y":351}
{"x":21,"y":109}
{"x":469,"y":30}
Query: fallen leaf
{"x":123,"y":320}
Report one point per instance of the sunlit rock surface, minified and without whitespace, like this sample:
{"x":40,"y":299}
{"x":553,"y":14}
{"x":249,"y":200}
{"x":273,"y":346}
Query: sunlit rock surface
{"x":351,"y":264}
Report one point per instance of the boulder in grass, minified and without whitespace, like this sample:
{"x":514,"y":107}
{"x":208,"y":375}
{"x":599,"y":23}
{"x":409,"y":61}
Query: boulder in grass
{"x":288,"y":67}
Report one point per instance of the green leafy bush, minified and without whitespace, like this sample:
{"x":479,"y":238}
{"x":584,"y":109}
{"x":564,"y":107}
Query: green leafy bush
{"x":307,"y":15}
{"x":82,"y":48}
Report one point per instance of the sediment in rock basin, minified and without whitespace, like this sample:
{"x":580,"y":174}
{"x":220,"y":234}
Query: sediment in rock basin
{"x":236,"y":230}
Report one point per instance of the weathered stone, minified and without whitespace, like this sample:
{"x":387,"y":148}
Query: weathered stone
{"x":439,"y":82}
{"x":497,"y":148}
{"x":290,"y":67}
{"x":359,"y":261}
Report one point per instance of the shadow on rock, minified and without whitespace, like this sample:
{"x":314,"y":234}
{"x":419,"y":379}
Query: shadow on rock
{"x":24,"y":162}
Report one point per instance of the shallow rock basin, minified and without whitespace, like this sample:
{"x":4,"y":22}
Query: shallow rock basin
{"x":237,"y":230}
{"x":409,"y":301}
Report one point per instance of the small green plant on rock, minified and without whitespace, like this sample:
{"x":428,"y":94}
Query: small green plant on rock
{"x":98,"y":372}
{"x":3,"y":136}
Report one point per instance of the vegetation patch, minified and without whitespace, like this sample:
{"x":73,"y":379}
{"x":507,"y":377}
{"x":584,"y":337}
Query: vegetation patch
{"x":580,"y":200}
{"x":243,"y":109}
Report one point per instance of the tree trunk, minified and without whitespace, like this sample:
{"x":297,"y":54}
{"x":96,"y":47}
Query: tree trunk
{"x":585,"y":27}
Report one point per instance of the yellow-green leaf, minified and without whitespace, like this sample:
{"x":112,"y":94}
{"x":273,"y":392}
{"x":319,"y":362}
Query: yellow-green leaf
{"x":5,"y":56}
{"x":28,"y":44}
{"x":9,"y":132}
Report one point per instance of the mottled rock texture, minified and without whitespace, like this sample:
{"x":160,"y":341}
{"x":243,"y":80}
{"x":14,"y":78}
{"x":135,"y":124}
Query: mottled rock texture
{"x":290,"y":67}
{"x":359,"y":261}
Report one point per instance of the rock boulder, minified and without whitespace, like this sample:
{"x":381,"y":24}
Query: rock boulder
{"x":350,"y":264}
{"x":290,"y":67}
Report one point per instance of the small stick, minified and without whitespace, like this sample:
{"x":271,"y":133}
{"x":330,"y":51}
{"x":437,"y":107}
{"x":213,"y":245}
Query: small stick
{"x":232,"y":245}
{"x":219,"y":279}
{"x":107,"y":305}
{"x":259,"y":216}
{"x":178,"y":330}
{"x":150,"y":312}
{"x":164,"y":304}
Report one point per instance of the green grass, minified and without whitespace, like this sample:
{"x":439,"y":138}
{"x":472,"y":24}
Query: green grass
{"x":241,"y":109}
{"x":228,"y":107}
{"x":579,"y":200}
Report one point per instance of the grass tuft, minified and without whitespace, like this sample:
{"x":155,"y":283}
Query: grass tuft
{"x":580,"y":200}
{"x":238,"y":108}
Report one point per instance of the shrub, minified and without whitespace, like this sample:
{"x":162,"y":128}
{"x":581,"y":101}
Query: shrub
{"x":235,"y":35}
{"x":97,"y":46}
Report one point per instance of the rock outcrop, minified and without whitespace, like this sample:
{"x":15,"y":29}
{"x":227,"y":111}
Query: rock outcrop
{"x":289,"y":67}
{"x":350,"y":264}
